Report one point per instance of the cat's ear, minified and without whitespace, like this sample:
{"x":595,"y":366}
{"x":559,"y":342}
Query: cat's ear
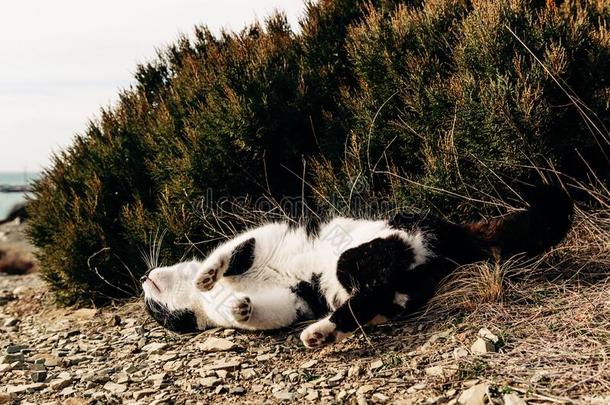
{"x":242,"y":258}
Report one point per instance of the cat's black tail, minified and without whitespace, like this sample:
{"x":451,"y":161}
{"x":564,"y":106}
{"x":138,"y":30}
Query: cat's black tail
{"x":532,"y":231}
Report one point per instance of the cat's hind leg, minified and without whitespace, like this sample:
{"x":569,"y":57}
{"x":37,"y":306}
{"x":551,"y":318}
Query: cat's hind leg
{"x":361,"y":309}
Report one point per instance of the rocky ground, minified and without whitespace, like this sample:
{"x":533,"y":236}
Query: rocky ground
{"x":117,"y":355}
{"x":550,"y":348}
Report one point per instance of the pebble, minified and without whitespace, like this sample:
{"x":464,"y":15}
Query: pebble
{"x":115,"y":388}
{"x":482,"y":346}
{"x":60,"y":383}
{"x":486,"y":334}
{"x":474,"y":395}
{"x":209,"y":382}
{"x":225,"y":365}
{"x":460,"y":352}
{"x":380,"y":398}
{"x":214,"y":344}
{"x":312,"y":395}
{"x":365,"y":388}
{"x":12,"y":349}
{"x":39,"y":376}
{"x":11,"y":322}
{"x":239,"y":390}
{"x":309,"y":364}
{"x":376,"y":365}
{"x":12,"y":358}
{"x":513,"y":399}
{"x":154,"y":347}
{"x":283,"y":396}
{"x":143,"y":393}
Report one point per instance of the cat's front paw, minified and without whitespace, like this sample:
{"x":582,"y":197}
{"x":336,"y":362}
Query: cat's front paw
{"x":211,"y":273}
{"x":240,"y":308}
{"x":320,"y":334}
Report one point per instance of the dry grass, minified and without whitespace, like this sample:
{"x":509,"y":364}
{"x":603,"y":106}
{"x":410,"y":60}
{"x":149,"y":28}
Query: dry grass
{"x":552,"y":314}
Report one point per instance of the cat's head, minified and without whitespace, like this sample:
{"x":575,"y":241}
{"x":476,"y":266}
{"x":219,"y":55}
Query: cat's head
{"x":172,"y":299}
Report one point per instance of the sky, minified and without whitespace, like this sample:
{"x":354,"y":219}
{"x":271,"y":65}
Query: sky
{"x":61,"y":60}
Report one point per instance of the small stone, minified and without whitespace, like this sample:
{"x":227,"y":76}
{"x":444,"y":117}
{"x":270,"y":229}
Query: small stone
{"x":239,"y":390}
{"x":434,"y":371}
{"x":376,"y":365}
{"x":39,"y":376}
{"x":214,"y":344}
{"x":378,"y":397}
{"x":11,"y":322}
{"x":220,"y":389}
{"x":12,"y":349}
{"x":336,"y":378}
{"x":513,"y":399}
{"x":115,"y":388}
{"x":60,"y":383}
{"x":70,"y":333}
{"x":353,"y":371}
{"x":248,"y":373}
{"x":122,"y":378}
{"x":283,"y":396}
{"x":209,"y":382}
{"x":364,"y":389}
{"x":51,"y":361}
{"x":441,"y":371}
{"x":84,"y":314}
{"x":68,"y":391}
{"x":312,"y":395}
{"x":459,"y":352}
{"x":416,"y":387}
{"x":482,"y":346}
{"x":12,"y":358}
{"x":474,"y":395}
{"x":486,"y":334}
{"x":154,"y":347}
{"x":309,"y":364}
{"x":143,"y":393}
{"x":226,"y":365}
{"x":17,"y":389}
{"x":228,"y":332}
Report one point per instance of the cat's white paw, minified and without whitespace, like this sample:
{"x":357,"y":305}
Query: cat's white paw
{"x":240,"y":308}
{"x":211,"y":273}
{"x":320,"y":334}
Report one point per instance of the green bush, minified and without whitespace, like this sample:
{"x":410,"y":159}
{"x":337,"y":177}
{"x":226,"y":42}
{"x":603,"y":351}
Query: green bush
{"x":385,"y":99}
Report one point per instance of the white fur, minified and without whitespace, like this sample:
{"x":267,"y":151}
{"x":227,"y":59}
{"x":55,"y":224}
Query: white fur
{"x":283,"y":256}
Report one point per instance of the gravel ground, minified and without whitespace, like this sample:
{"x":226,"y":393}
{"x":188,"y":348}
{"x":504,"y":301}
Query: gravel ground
{"x":542,"y":342}
{"x":116,"y":355}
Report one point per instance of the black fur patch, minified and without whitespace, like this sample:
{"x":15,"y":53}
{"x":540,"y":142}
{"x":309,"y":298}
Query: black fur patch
{"x":311,"y":293}
{"x":374,"y":263}
{"x":372,"y":272}
{"x":241,"y":258}
{"x":179,"y":321}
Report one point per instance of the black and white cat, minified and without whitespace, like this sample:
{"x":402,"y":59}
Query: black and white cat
{"x":346,"y":273}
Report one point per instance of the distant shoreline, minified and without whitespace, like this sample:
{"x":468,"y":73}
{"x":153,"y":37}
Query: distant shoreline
{"x":15,"y":188}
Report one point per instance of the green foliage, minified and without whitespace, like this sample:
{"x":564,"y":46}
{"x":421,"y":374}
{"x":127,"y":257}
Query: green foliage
{"x":392,"y":99}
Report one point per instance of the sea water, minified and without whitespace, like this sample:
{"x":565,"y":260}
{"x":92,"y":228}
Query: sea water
{"x":8,"y":200}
